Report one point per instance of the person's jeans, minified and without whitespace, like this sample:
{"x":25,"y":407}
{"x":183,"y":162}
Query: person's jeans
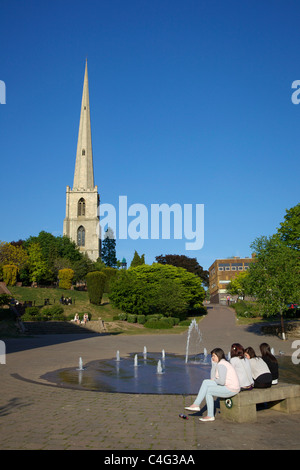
{"x":210,"y":389}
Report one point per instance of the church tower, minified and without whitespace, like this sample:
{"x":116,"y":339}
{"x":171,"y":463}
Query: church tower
{"x":81,"y":223}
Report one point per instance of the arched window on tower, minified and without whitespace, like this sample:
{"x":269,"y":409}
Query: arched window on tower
{"x":81,"y":207}
{"x":81,"y":236}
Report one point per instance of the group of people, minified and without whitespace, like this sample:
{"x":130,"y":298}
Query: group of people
{"x":84,"y":320}
{"x":65,"y":300}
{"x":243,"y":371}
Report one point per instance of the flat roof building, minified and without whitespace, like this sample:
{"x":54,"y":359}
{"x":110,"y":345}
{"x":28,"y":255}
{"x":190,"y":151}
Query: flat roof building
{"x":221,"y":272}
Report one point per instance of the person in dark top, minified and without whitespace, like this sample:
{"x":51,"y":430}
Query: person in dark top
{"x":270,"y":360}
{"x":260,"y":371}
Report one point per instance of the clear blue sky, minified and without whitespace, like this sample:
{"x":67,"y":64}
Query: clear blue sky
{"x":190,"y":104}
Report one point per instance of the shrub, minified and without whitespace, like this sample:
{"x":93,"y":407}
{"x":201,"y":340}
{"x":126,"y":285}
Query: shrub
{"x":5,"y":299}
{"x":32,"y":314}
{"x":32,"y":311}
{"x":65,"y":278}
{"x":155,"y":316}
{"x":246,"y":309}
{"x":158,"y":288}
{"x":110,"y":274}
{"x":10,"y":272}
{"x":96,"y":281}
{"x":185,"y":323}
{"x":131,"y":318}
{"x":55,"y":312}
{"x":141,"y":319}
{"x":122,"y":316}
{"x":163,"y":323}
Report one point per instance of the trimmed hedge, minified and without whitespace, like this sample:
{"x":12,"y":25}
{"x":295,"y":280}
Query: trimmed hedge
{"x":65,"y":278}
{"x":96,"y":282}
{"x":162,"y":323}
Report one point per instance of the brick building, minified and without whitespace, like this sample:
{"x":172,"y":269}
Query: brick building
{"x":221,"y":272}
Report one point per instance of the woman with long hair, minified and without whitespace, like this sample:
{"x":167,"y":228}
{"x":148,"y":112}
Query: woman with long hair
{"x":260,"y":371}
{"x":270,"y":360}
{"x":241,"y":366}
{"x":224,"y":383}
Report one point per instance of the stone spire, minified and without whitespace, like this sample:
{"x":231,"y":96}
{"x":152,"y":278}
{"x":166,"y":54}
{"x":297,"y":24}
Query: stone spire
{"x":84,"y":171}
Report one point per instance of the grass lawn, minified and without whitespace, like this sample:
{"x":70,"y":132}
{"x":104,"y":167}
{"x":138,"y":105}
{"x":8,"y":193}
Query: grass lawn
{"x":80,"y":304}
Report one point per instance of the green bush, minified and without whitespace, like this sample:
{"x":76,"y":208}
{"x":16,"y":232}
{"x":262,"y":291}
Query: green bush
{"x":163,"y":323}
{"x":96,"y":282}
{"x":122,"y":316}
{"x":185,"y":323}
{"x":163,"y":289}
{"x":155,"y":316}
{"x":110,"y":274}
{"x":5,"y":299}
{"x":131,"y":318}
{"x":32,"y":311}
{"x":246,"y":309}
{"x":141,"y":319}
{"x":32,"y":314}
{"x":55,"y":312}
{"x":65,"y":278}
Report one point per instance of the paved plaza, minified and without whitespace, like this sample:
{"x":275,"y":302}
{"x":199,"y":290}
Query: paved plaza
{"x":38,"y":415}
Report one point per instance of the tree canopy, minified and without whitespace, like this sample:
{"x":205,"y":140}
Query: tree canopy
{"x":182,"y":261}
{"x":274,"y":277}
{"x":289,"y":230}
{"x":157,"y":288}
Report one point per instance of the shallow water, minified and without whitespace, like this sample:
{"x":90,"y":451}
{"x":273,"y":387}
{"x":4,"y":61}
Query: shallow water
{"x":177,"y":377}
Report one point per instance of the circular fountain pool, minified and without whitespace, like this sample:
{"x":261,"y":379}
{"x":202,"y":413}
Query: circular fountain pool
{"x":139,"y":373}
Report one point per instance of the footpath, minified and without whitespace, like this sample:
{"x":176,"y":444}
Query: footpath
{"x":37,"y":415}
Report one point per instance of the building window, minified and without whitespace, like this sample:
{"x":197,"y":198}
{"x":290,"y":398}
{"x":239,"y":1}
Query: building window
{"x":81,"y":236}
{"x":83,"y":152}
{"x":81,"y":207}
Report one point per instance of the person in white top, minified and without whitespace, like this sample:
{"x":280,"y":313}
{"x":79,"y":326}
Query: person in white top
{"x":241,"y":366}
{"x":260,"y":371}
{"x":223,"y":383}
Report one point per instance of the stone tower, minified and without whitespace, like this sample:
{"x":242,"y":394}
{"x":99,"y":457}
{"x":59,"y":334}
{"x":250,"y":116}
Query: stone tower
{"x":81,"y":223}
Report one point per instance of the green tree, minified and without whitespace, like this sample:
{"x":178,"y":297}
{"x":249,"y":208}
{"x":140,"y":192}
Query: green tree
{"x":182,"y":261}
{"x":13,"y":254}
{"x":137,"y":260}
{"x":10,"y":272}
{"x":157,"y":288}
{"x":274,"y":277}
{"x":57,"y":252}
{"x":108,"y":251}
{"x":38,"y":268}
{"x":289,"y":230}
{"x":239,"y":285}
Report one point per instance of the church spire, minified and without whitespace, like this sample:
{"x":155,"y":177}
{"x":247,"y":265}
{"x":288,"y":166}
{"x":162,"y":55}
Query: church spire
{"x":84,"y":171}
